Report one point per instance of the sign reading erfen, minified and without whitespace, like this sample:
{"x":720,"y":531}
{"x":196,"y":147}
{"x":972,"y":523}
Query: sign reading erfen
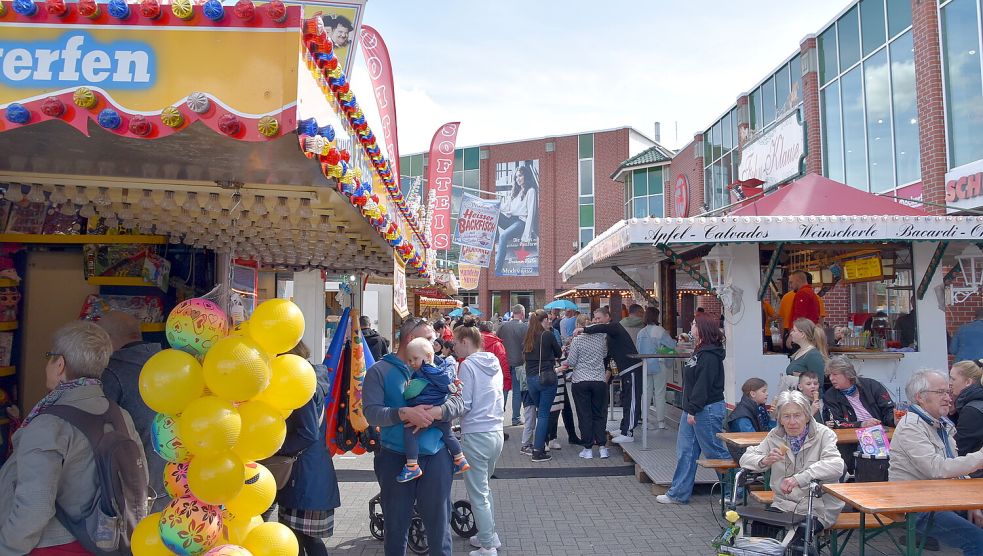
{"x":477,"y":221}
{"x":776,"y":155}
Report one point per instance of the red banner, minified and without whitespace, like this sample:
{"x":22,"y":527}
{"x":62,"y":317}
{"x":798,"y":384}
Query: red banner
{"x":440,"y":176}
{"x":381,"y":74}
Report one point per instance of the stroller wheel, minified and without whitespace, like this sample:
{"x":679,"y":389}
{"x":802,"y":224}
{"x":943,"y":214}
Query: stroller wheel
{"x":462,"y":520}
{"x":417,"y":538}
{"x":377,"y":527}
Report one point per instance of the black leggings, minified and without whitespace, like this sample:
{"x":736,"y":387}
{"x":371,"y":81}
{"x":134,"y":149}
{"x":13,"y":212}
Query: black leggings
{"x":310,"y":546}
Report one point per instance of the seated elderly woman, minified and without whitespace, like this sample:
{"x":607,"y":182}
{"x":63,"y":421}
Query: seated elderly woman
{"x":923,"y":448}
{"x":798,"y":451}
{"x":853,"y":402}
{"x":52,"y":461}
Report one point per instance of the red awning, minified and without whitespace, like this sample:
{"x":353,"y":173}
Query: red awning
{"x":814,"y":195}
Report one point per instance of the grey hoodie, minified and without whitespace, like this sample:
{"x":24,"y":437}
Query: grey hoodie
{"x":484,"y":401}
{"x":633,"y":325}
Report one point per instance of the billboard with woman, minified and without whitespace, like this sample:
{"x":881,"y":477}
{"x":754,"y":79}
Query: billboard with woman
{"x":517,"y":247}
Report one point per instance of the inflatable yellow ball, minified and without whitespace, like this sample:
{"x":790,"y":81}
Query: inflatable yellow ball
{"x":257,"y":493}
{"x":216,"y":479}
{"x":170,"y":380}
{"x":235,"y":527}
{"x":146,"y":540}
{"x":271,"y":539}
{"x":236,"y":369}
{"x":263,"y":431}
{"x":209,"y":426}
{"x":292,"y":384}
{"x":241,"y":329}
{"x":277,"y":325}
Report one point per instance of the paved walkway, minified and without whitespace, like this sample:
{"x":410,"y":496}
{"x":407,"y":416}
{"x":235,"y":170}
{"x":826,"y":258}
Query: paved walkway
{"x":610,"y":513}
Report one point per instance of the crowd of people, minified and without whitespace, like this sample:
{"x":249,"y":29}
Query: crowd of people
{"x":442,"y":371}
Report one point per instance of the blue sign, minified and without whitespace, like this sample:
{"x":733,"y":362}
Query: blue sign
{"x":77,"y":59}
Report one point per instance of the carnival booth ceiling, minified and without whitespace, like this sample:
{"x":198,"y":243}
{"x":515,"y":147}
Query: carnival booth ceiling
{"x":829,"y":212}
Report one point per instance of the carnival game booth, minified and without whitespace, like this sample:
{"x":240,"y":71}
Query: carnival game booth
{"x":149,"y":132}
{"x":863,"y":251}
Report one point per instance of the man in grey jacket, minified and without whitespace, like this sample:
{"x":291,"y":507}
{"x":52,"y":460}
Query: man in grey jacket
{"x":120,"y":382}
{"x":384,"y":406}
{"x":53,"y":463}
{"x":513,"y":334}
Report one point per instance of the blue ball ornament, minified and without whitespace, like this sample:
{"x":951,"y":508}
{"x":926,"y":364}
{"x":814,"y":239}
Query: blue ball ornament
{"x":214,"y":10}
{"x":17,"y":114}
{"x":327,"y":132}
{"x":307,"y":127}
{"x":119,"y":9}
{"x":25,"y":7}
{"x":110,"y":119}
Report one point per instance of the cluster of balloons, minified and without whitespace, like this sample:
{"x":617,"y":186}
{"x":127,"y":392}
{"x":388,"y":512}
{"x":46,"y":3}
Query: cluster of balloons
{"x":222,"y":398}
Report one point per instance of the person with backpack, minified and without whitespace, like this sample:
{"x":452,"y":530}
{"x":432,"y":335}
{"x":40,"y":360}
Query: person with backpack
{"x":66,"y":451}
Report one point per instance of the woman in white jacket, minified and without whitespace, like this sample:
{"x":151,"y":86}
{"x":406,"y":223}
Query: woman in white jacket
{"x":798,"y":451}
{"x":481,"y":427}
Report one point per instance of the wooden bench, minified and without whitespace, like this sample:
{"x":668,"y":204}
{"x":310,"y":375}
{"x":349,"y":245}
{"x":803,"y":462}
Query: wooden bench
{"x":850,"y":521}
{"x":719,"y":465}
{"x":726,"y":468}
{"x":766,"y":497}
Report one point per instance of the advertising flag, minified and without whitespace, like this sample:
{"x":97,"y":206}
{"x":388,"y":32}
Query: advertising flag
{"x":381,"y":73}
{"x":477,"y":222}
{"x":475,"y":256}
{"x":440,"y":176}
{"x":469,"y":276}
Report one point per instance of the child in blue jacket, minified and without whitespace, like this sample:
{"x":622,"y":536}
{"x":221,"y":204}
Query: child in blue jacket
{"x":429,"y":385}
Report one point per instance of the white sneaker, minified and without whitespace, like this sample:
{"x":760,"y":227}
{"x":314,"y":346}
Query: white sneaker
{"x":604,"y":452}
{"x":622,"y":439}
{"x":555,"y":445}
{"x":666,"y":499}
{"x":586,"y":453}
{"x":484,"y":552}
{"x":496,"y":543}
{"x":662,"y":426}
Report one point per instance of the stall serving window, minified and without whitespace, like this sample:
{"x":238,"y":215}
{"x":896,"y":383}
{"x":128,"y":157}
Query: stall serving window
{"x":865,"y":292}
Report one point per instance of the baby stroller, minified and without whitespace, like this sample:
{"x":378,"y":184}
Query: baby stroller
{"x":767,"y":523}
{"x":462,"y":523}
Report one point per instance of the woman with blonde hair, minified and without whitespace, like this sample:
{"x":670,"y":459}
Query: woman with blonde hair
{"x":967,"y":394}
{"x":812,"y":353}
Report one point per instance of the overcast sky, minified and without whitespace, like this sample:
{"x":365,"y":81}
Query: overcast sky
{"x":511,"y":69}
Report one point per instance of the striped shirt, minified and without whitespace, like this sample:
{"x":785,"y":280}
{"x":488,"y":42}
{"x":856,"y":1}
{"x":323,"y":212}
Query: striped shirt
{"x":586,"y":357}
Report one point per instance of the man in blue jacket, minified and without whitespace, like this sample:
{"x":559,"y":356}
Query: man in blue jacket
{"x":967,"y":342}
{"x":384,"y":406}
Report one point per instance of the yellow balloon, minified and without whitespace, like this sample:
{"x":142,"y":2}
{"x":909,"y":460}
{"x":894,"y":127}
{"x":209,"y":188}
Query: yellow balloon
{"x":146,"y":541}
{"x":236,"y":527}
{"x":236,"y":369}
{"x":292,"y":384}
{"x":271,"y":539}
{"x":170,"y":380}
{"x":277,"y":325}
{"x":209,"y":426}
{"x":263,"y":431}
{"x":241,"y":329}
{"x":216,"y":479}
{"x":257,"y":494}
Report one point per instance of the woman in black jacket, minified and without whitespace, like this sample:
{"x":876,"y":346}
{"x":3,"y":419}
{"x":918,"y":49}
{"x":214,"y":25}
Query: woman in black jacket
{"x":703,"y":409}
{"x":964,"y":378}
{"x":872,"y":396}
{"x":541,"y":351}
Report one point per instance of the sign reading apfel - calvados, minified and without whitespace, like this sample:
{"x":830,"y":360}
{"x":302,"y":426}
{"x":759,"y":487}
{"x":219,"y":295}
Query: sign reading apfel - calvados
{"x":477,"y":222}
{"x":775,"y":155}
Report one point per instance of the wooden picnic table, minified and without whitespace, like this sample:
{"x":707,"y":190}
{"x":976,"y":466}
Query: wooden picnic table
{"x":910,"y":498}
{"x":748,"y":439}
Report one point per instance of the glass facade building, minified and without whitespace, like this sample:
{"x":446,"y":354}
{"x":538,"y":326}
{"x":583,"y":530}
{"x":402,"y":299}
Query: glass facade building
{"x":962,"y":76}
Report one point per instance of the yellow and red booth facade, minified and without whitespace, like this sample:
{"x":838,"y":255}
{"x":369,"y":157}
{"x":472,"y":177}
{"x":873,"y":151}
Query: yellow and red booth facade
{"x":250,"y":72}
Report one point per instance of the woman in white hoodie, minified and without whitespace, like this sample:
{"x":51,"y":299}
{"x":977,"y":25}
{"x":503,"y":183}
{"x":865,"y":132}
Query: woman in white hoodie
{"x":481,"y":427}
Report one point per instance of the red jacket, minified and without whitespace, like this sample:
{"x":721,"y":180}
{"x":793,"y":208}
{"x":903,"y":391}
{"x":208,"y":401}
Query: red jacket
{"x":494,"y":345}
{"x":805,"y":305}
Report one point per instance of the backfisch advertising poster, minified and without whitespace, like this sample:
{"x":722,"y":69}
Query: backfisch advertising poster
{"x":517,"y":247}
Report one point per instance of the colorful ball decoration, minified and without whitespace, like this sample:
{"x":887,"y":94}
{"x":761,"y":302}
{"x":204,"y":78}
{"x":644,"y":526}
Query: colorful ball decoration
{"x":140,"y":125}
{"x":176,"y":480}
{"x":170,"y":380}
{"x":166,"y":442}
{"x":277,"y":325}
{"x":277,"y":11}
{"x":88,"y":8}
{"x":245,"y":10}
{"x":209,"y":426}
{"x":213,"y":10}
{"x":216,"y":479}
{"x":236,"y":369}
{"x":195,"y":325}
{"x":56,"y":7}
{"x":25,"y":7}
{"x":53,"y":107}
{"x":263,"y":431}
{"x":199,"y":103}
{"x":271,"y":539}
{"x":229,"y":124}
{"x":110,"y":119}
{"x":171,"y":117}
{"x":268,"y":126}
{"x":184,"y":9}
{"x":228,"y":550}
{"x":190,"y":527}
{"x":150,"y":9}
{"x":292,"y":383}
{"x":257,"y":494}
{"x":119,"y":9}
{"x":145,"y":540}
{"x":17,"y":113}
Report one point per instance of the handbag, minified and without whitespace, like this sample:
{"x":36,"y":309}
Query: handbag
{"x":280,"y":467}
{"x":547,"y":377}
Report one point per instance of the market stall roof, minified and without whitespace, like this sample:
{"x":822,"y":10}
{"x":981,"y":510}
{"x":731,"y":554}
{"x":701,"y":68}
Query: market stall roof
{"x":815,"y":195}
{"x":635,"y":245}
